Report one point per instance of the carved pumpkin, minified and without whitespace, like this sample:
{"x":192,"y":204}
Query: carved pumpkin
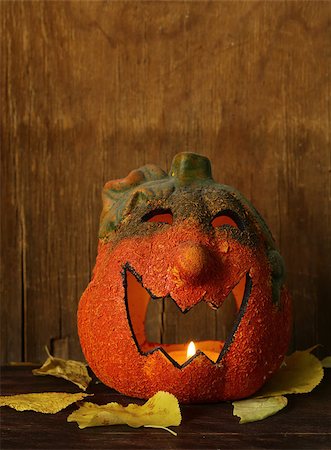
{"x":183,"y":237}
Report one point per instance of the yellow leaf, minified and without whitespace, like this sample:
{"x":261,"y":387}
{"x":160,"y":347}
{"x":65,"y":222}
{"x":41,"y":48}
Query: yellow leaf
{"x":22,"y":363}
{"x":254,"y":409}
{"x":300,"y":373}
{"x":46,"y":402}
{"x":74,"y":371}
{"x":326,"y":362}
{"x":161,"y":410}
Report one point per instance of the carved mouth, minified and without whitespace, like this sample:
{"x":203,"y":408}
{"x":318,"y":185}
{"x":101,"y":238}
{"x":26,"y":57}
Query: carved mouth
{"x":137,"y":298}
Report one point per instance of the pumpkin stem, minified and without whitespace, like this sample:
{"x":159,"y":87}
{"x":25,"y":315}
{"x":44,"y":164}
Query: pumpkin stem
{"x":188,"y":168}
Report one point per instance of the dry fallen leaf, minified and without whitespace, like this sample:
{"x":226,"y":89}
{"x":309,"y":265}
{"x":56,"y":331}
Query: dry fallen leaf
{"x":46,"y":402}
{"x":160,"y":411}
{"x":254,"y":409}
{"x":74,"y":371}
{"x":326,"y":362}
{"x":22,"y":363}
{"x":300,"y":373}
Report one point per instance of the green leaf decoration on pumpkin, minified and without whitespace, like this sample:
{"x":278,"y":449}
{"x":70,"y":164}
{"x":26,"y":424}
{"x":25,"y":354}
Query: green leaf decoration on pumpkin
{"x":254,"y":409}
{"x":300,"y":373}
{"x":160,"y":411}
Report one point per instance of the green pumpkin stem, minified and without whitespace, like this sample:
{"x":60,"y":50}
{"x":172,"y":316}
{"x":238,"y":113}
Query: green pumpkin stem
{"x":188,"y":168}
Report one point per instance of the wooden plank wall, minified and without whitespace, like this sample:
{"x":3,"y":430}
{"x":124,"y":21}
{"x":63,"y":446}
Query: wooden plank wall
{"x":91,"y":90}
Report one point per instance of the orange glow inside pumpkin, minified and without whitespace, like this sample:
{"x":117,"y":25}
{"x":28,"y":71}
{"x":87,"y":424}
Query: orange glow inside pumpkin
{"x":137,"y":303}
{"x":161,"y":218}
{"x":218,"y":221}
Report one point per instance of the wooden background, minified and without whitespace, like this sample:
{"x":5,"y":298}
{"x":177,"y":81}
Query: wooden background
{"x":91,"y":90}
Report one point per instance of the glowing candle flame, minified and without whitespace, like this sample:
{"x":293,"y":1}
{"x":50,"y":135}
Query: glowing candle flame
{"x":190,"y":350}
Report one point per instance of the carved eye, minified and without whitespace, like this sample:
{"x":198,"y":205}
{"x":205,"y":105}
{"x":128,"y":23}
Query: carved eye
{"x":227,"y":218}
{"x":159,"y":216}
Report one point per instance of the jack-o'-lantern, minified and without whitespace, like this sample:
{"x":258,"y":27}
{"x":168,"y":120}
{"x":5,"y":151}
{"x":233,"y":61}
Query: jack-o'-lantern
{"x":183,"y":238}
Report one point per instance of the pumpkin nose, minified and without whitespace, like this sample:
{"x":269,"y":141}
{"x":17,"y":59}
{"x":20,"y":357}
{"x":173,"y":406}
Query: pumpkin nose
{"x":193,"y":261}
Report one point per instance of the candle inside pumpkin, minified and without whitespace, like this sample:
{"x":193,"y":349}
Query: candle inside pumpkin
{"x":181,"y":356}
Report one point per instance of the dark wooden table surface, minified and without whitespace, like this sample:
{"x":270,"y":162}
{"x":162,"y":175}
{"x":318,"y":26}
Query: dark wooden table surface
{"x":305,"y":423}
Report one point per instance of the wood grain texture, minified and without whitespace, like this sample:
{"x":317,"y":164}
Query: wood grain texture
{"x":305,"y":423}
{"x":95,"y":89}
{"x":166,"y":323}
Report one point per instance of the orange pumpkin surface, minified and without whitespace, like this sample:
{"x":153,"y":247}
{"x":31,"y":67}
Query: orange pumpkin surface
{"x":183,"y":237}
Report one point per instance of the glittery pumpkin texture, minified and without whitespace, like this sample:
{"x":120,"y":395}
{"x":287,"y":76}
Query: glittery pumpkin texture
{"x":190,"y":261}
